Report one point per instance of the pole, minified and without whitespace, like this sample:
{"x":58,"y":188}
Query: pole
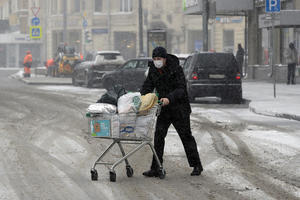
{"x":109,"y":24}
{"x":246,"y":46}
{"x":273,"y":57}
{"x":141,"y":47}
{"x":205,"y":24}
{"x":65,"y":21}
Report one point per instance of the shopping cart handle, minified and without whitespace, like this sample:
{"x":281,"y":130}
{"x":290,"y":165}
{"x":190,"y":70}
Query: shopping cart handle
{"x":160,"y":102}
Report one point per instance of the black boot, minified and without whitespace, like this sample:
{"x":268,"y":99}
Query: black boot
{"x":196,"y":171}
{"x":151,"y":173}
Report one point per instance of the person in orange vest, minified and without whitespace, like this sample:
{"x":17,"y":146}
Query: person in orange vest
{"x":27,"y":64}
{"x":50,"y":67}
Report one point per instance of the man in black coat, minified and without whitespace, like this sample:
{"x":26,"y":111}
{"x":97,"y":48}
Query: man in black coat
{"x":167,"y":77}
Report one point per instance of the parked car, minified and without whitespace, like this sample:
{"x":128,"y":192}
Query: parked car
{"x":213,"y":74}
{"x":131,"y":75}
{"x":90,"y":72}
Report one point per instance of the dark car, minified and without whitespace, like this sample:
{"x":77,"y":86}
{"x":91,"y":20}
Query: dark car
{"x":90,"y":72}
{"x":131,"y":75}
{"x":213,"y":74}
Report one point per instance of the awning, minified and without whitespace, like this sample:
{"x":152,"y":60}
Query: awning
{"x":221,"y":7}
{"x":282,"y":19}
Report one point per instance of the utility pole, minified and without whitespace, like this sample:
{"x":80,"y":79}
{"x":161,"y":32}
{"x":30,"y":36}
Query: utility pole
{"x":65,"y":21}
{"x":109,"y":24}
{"x":245,"y":69}
{"x":141,"y":47}
{"x":205,"y":24}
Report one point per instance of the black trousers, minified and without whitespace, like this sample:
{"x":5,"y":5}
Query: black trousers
{"x":182,"y":126}
{"x":291,"y":73}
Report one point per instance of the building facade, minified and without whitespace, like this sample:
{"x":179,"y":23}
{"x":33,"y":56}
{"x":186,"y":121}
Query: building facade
{"x":91,"y":25}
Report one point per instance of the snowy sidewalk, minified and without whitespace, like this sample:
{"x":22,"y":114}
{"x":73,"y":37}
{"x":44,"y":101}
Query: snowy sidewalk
{"x":261,"y":94}
{"x":41,"y":79}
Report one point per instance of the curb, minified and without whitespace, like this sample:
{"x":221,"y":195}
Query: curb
{"x":274,"y":114}
{"x":32,"y":82}
{"x":44,"y":83}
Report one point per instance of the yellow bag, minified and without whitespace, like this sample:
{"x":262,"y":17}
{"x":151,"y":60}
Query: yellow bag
{"x":148,"y":101}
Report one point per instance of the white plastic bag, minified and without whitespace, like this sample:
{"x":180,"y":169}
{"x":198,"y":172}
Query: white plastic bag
{"x":102,"y":108}
{"x":142,"y":126}
{"x":129,"y":102}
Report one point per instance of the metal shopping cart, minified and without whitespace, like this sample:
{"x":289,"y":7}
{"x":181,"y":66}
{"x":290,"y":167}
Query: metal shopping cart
{"x":129,"y":128}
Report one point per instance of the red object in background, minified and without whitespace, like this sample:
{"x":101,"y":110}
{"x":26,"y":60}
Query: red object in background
{"x":50,"y":62}
{"x":266,"y":56}
{"x":27,"y":70}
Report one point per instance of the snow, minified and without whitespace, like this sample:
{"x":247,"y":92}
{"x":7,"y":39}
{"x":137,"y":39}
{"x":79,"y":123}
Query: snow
{"x":279,"y":145}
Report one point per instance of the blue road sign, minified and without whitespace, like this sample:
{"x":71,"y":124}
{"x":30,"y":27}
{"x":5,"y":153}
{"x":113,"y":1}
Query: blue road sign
{"x":272,"y":5}
{"x":35,"y":21}
{"x":35,"y":32}
{"x":84,"y":23}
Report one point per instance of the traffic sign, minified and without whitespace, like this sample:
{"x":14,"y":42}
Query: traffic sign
{"x":35,"y":32}
{"x":35,"y":21}
{"x":35,"y":10}
{"x":84,"y":23}
{"x":272,"y":5}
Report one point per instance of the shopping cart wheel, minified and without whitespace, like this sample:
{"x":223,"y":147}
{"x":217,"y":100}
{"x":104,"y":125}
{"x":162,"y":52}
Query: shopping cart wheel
{"x":94,"y":175}
{"x":162,"y":173}
{"x":129,"y":171}
{"x":112,"y":176}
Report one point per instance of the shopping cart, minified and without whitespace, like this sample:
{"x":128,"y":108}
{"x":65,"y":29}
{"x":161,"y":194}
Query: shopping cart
{"x":129,"y":128}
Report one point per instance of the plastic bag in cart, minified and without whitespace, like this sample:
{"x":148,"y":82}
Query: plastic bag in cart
{"x":102,"y":108}
{"x":127,"y":125}
{"x":129,"y":102}
{"x":112,"y":95}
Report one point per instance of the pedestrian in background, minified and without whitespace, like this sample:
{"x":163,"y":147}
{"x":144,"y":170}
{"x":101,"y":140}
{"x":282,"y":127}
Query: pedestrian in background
{"x":27,"y":64}
{"x":240,"y":57}
{"x":50,"y":67}
{"x":167,"y":77}
{"x":292,"y":60}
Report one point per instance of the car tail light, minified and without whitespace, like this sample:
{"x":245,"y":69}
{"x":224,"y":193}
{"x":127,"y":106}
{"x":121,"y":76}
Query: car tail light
{"x":194,"y":76}
{"x":238,"y":76}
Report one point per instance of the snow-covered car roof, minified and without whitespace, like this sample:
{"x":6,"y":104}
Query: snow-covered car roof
{"x":108,"y":52}
{"x":182,"y":55}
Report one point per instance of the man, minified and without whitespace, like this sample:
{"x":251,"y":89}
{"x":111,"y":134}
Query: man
{"x":292,"y":60}
{"x":240,"y":57}
{"x":27,"y":64}
{"x":50,"y":67}
{"x":166,"y":76}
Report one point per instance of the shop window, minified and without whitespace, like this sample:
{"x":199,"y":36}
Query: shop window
{"x":125,"y":5}
{"x":54,"y":7}
{"x":98,"y":6}
{"x":228,"y":41}
{"x":76,"y":6}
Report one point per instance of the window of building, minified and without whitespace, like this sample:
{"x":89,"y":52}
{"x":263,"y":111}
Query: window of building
{"x":125,"y":5}
{"x":54,"y":7}
{"x":76,"y":6}
{"x":9,"y":7}
{"x":98,"y":5}
{"x":23,"y":4}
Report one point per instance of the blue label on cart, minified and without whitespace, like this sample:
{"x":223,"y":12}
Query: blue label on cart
{"x":100,"y":128}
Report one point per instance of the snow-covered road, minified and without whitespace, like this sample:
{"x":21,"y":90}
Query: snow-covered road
{"x":46,"y":152}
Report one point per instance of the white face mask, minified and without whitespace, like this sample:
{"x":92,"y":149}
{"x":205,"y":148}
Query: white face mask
{"x":158,"y":63}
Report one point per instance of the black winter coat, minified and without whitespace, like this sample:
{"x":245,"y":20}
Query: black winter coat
{"x":169,"y":84}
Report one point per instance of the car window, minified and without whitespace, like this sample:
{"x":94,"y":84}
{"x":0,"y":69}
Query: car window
{"x":131,"y":64}
{"x":89,"y":57}
{"x":186,"y":64}
{"x":143,"y":64}
{"x":110,"y":56}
